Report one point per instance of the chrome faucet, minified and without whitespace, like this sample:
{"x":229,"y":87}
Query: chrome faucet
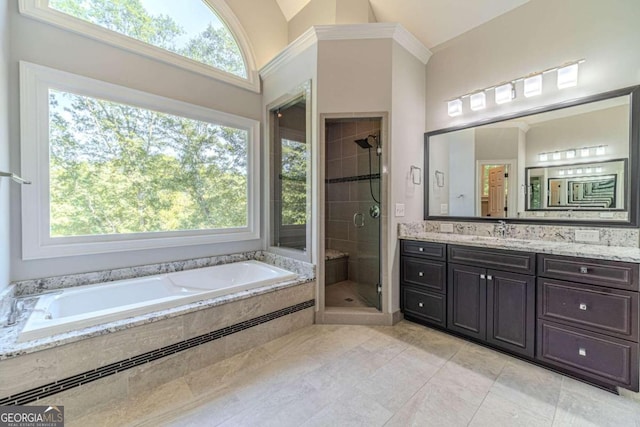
{"x":13,"y":312}
{"x":501,"y":229}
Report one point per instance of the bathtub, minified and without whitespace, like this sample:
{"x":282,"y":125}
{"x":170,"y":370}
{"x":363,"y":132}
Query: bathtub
{"x":83,"y":306}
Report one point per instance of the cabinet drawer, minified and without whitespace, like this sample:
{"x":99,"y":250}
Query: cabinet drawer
{"x":604,"y":310}
{"x":616,"y":274}
{"x":516,"y":262}
{"x":425,"y":305}
{"x":592,"y":355}
{"x":436,"y":251}
{"x":424,"y":273}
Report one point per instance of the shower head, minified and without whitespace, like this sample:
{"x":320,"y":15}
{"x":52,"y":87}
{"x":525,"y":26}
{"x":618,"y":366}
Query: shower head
{"x":367,"y":142}
{"x":364,"y":143}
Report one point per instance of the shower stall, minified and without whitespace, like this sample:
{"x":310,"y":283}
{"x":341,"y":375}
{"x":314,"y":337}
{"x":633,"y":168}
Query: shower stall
{"x":353,"y":212}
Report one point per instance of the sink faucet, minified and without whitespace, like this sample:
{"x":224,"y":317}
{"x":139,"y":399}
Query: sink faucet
{"x":13,"y":312}
{"x":501,"y":229}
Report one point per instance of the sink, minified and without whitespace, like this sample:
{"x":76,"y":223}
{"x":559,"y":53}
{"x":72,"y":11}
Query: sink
{"x":505,"y":240}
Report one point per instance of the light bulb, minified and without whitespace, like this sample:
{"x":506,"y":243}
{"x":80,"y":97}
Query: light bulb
{"x":561,"y":172}
{"x":568,"y":76}
{"x":504,"y":93}
{"x":543,"y":157}
{"x":570,"y":172}
{"x":478,"y":101}
{"x":454,"y":107}
{"x":556,"y":155}
{"x":533,"y":85}
{"x":584,"y":152}
{"x":570,"y":154}
{"x":579,"y":171}
{"x":600,"y":151}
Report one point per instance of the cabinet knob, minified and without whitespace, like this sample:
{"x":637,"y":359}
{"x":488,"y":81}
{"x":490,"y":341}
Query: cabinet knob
{"x":584,"y":270}
{"x":420,"y":304}
{"x":421,"y":249}
{"x":420,"y":274}
{"x":582,"y":351}
{"x":583,"y":306}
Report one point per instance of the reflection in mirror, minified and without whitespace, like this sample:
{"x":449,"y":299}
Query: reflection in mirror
{"x":290,"y":177}
{"x":569,"y":162}
{"x":585,"y":186}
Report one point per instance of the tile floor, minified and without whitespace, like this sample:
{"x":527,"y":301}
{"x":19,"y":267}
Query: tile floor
{"x":344,"y":294}
{"x":405,"y":375}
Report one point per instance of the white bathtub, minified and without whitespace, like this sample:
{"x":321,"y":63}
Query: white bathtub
{"x":84,"y":306}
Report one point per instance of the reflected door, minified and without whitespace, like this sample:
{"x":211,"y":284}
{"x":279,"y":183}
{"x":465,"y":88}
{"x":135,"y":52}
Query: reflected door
{"x":497,"y":199}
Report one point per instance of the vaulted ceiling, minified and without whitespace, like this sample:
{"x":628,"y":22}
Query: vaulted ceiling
{"x":432,"y":21}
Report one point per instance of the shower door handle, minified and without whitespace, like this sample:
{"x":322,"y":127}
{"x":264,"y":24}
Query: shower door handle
{"x":358,"y":219}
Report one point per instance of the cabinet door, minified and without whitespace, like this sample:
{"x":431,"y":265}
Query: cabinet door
{"x":467,"y":300}
{"x":511,"y":311}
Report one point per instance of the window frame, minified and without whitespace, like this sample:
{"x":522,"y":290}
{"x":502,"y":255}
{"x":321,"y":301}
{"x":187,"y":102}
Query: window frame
{"x":40,"y":10}
{"x":37,"y":243}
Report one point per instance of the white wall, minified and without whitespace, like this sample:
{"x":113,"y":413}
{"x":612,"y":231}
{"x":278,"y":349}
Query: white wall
{"x":496,"y":143}
{"x":406,"y":149}
{"x":47,"y":45}
{"x":532,"y":37}
{"x":5,"y":166}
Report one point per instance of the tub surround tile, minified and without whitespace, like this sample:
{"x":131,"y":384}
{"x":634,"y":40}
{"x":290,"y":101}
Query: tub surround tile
{"x":615,"y":244}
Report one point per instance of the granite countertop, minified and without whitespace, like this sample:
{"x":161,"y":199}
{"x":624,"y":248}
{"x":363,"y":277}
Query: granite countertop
{"x":614,"y":253}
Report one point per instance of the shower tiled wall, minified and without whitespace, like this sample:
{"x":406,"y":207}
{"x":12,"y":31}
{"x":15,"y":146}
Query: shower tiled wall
{"x":344,"y":199}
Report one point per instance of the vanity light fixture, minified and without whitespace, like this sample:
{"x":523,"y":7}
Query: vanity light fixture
{"x":570,"y":154}
{"x":478,"y":101}
{"x":568,"y":76}
{"x":455,"y":107}
{"x":543,"y":157}
{"x":533,"y":85}
{"x":600,"y":150}
{"x":504,"y":93}
{"x":556,"y":155}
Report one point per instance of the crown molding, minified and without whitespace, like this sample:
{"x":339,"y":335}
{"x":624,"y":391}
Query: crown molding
{"x":349,"y":32}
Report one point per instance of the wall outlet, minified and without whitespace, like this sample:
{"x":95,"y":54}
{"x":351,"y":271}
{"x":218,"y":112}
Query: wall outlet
{"x":446,"y":228}
{"x":399,"y":209}
{"x":444,"y":208}
{"x":592,"y":236}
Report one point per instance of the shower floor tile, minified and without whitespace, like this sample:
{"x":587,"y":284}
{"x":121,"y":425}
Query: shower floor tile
{"x":402,"y":375}
{"x":344,"y":294}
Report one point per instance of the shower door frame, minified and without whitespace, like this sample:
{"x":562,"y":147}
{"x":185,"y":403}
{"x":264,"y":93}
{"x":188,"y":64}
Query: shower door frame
{"x":356,"y":315}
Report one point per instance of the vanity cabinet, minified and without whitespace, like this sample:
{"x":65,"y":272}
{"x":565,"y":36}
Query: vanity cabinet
{"x":423,"y":278}
{"x":491,"y":305}
{"x":588,"y":318}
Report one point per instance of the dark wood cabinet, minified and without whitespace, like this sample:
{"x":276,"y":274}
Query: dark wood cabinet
{"x":511,"y":317}
{"x":423,"y":281}
{"x":576,"y":315}
{"x":467,"y":301}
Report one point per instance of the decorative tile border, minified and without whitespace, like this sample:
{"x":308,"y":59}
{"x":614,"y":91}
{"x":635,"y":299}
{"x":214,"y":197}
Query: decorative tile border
{"x":352,"y":178}
{"x":95,"y":374}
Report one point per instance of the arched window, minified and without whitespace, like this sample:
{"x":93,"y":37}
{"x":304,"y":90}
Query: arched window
{"x":201,"y":35}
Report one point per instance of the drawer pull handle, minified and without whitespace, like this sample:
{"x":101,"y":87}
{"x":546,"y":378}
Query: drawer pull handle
{"x":421,"y":249}
{"x":482,"y":276}
{"x":582,"y":352}
{"x":584,"y":270}
{"x":421,"y":274}
{"x":583,"y":306}
{"x":420,"y":305}
{"x":489,"y":277}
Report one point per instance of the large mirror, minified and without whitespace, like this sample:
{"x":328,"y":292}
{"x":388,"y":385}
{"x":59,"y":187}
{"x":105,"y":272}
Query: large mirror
{"x":577,"y":162}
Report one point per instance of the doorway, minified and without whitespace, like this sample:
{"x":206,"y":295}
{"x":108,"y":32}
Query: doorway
{"x":496,"y":188}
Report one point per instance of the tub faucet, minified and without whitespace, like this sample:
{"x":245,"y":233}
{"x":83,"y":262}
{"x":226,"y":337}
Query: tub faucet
{"x":501,"y":229}
{"x":13,"y":312}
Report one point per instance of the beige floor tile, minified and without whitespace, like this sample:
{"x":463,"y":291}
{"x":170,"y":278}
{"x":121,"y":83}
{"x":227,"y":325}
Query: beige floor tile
{"x":466,"y":383}
{"x":583,"y":405}
{"x":435,"y":406}
{"x":348,"y":411}
{"x":496,"y":411}
{"x":530,"y":386}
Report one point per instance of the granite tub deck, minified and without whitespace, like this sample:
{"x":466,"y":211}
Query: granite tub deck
{"x":106,"y":363}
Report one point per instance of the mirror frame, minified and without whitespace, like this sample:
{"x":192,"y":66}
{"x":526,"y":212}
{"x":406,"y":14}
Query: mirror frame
{"x":634,"y":161}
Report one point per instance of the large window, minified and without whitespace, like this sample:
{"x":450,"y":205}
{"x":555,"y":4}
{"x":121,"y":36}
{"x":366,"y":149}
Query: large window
{"x":188,"y":33}
{"x":115,"y":169}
